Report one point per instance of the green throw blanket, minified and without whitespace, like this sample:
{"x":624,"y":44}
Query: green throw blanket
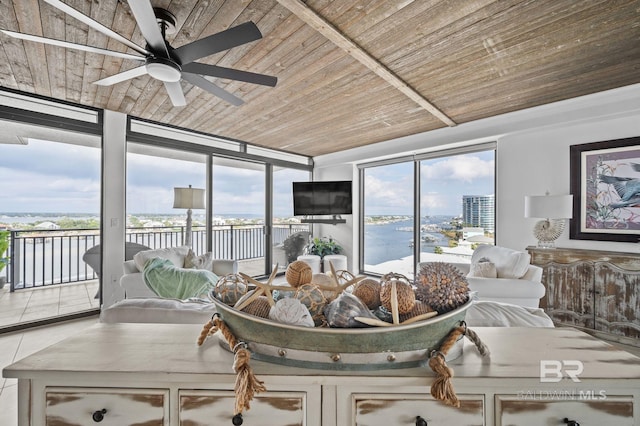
{"x":167,"y":280}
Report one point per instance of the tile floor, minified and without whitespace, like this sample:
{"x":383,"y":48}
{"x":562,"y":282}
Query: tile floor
{"x":41,"y":303}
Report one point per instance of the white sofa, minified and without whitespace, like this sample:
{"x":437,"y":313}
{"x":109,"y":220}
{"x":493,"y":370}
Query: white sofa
{"x":133,"y":281}
{"x":516,"y":281}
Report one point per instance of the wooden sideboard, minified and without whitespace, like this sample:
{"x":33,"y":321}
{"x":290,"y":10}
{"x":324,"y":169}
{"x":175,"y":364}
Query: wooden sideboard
{"x":155,"y":374}
{"x":598,"y":291}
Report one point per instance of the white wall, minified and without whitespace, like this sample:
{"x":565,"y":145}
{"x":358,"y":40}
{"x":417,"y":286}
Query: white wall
{"x":534,"y":162}
{"x":343,"y":233}
{"x":532,"y":157}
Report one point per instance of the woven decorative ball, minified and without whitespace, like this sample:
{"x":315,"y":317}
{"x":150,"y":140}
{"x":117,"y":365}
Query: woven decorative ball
{"x":230,"y":288}
{"x":441,"y":286}
{"x":298,"y":273}
{"x":368,"y":291}
{"x":313,"y":298}
{"x":404,"y":290}
{"x":419,"y":308}
{"x":260,"y":307}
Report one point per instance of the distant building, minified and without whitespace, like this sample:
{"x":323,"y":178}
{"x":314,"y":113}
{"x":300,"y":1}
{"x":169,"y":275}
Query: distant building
{"x":46,"y":225}
{"x":479,"y":211}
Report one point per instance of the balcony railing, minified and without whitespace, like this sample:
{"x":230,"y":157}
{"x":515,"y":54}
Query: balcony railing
{"x":51,"y":257}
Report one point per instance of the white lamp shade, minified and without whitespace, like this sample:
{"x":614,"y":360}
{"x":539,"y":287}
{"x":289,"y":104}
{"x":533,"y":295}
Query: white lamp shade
{"x":188,"y":198}
{"x":548,"y":206}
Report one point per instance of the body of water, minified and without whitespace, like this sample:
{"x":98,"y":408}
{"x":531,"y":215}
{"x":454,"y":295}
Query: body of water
{"x":391,"y":241}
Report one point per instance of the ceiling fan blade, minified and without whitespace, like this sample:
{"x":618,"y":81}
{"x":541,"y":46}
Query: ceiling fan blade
{"x":174,"y":89}
{"x":241,"y":34}
{"x":120,"y":77}
{"x":146,"y":19}
{"x":95,"y":25}
{"x":230,"y":73}
{"x":61,"y":43}
{"x":205,"y":84}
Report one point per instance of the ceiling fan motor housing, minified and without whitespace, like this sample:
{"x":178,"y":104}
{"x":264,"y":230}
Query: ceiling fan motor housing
{"x":163,"y":69}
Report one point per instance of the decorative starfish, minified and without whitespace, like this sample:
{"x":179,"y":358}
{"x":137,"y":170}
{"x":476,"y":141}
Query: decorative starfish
{"x":262,"y":288}
{"x":338,"y":288}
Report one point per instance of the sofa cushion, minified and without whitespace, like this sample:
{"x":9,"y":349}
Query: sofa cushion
{"x":169,"y":281}
{"x":495,"y":314}
{"x":483,"y":270}
{"x":156,"y":310}
{"x":175,"y":254}
{"x":509,"y":263}
{"x":204,"y":261}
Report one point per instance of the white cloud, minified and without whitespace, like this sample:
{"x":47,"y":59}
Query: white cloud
{"x":465,"y":168}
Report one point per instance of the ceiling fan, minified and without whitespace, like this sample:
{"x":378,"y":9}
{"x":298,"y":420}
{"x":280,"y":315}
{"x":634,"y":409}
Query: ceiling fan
{"x":160,"y":60}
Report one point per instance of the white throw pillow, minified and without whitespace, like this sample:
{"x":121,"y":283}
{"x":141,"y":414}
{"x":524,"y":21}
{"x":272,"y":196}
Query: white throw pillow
{"x":483,"y":270}
{"x":509,"y":263}
{"x":204,"y":261}
{"x":175,"y":254}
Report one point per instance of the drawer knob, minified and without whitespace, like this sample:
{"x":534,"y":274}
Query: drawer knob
{"x":237,"y":419}
{"x":98,"y":416}
{"x":422,"y":422}
{"x":571,"y":422}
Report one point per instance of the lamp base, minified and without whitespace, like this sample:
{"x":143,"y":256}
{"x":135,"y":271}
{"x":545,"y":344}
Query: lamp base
{"x":547,"y":231}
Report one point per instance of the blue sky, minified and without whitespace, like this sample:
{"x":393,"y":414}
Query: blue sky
{"x":62,"y":178}
{"x":389,"y":189}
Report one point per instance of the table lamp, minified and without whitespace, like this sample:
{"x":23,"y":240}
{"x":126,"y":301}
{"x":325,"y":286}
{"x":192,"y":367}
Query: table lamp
{"x":553,"y":209}
{"x":188,"y":198}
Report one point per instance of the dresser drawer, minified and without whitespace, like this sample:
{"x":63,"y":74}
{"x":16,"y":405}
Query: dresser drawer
{"x":208,"y":407}
{"x":107,"y":407}
{"x":404,"y":409}
{"x":614,"y":410}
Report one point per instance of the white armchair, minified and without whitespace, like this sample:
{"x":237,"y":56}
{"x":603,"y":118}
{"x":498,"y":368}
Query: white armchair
{"x":133,"y":281}
{"x":510,"y":277}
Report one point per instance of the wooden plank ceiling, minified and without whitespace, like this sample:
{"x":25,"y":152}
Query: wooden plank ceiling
{"x":350,"y":72}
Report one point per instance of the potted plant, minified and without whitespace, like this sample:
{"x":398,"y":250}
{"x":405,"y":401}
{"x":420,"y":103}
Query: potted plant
{"x":4,"y":260}
{"x":322,"y":246}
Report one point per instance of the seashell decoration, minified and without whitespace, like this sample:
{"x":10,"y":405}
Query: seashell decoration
{"x":368,"y":291}
{"x":230,"y":288}
{"x":441,"y":286}
{"x":344,"y":309}
{"x":396,"y":295}
{"x":313,"y":298}
{"x":298,"y":273}
{"x":291,"y":311}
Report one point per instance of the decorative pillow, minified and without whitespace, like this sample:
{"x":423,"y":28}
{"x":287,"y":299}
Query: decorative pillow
{"x":483,"y":270}
{"x":509,"y":263}
{"x":174,"y":254}
{"x":204,"y":261}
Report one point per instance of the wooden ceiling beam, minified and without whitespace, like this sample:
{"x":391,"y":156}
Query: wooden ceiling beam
{"x":324,"y":27}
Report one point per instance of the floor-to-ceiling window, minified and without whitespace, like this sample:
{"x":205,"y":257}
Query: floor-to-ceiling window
{"x":388,"y":218}
{"x":50,"y":214}
{"x":238,"y":189}
{"x":457,"y":205}
{"x":452,"y":191}
{"x":152,"y":175}
{"x":289,"y":235}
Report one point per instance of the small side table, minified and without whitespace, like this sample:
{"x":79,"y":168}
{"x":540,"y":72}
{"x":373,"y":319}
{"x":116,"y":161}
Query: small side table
{"x":339,"y":262}
{"x":313,"y":261}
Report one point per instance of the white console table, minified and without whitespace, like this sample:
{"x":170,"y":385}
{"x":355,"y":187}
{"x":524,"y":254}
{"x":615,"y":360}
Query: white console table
{"x":152,"y":374}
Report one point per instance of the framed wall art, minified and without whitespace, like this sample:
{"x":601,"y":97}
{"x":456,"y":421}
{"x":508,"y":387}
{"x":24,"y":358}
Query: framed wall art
{"x":605,"y":183}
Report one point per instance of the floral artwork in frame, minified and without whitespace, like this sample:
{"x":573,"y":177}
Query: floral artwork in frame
{"x":605,"y":183}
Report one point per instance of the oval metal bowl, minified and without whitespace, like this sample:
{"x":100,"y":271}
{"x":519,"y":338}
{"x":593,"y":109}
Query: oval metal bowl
{"x":399,"y":346}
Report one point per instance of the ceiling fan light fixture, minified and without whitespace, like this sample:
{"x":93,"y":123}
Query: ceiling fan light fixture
{"x":163,"y":69}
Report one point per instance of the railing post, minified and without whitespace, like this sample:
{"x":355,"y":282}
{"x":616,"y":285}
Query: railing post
{"x":14,"y":262}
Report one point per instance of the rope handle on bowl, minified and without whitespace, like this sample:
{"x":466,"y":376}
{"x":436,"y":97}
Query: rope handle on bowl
{"x":247,"y":384}
{"x":442,"y":388}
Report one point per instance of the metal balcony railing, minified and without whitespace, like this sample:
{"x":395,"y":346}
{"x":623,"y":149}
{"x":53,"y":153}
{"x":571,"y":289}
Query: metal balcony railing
{"x":51,"y":257}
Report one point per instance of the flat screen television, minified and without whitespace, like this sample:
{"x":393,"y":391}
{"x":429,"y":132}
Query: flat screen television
{"x":322,"y":198}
